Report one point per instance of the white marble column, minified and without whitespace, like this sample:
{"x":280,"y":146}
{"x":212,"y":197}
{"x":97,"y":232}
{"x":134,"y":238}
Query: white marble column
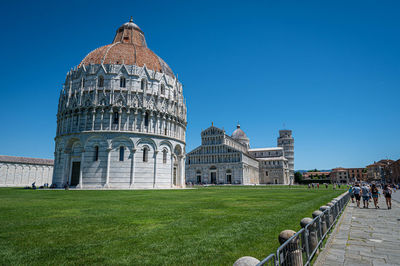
{"x":93,"y":118}
{"x":158,"y":125}
{"x":132,"y":168}
{"x":119,"y":119}
{"x":66,"y":168}
{"x":126,"y":125}
{"x":5,"y":180}
{"x":172,"y":170}
{"x":81,"y":169}
{"x":15,"y":171}
{"x":110,"y":124}
{"x":107,"y":184}
{"x":134,"y":122}
{"x":182,"y":171}
{"x":155,"y":168}
{"x":142,"y":122}
{"x":101,"y":119}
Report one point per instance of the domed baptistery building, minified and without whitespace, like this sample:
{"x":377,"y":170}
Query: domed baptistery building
{"x":121,"y":119}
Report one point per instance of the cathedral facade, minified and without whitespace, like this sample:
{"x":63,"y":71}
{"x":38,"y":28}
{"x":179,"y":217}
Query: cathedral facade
{"x":121,"y":119}
{"x":223,"y":159}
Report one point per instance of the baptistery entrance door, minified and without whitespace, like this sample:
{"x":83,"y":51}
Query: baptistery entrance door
{"x":76,"y":166}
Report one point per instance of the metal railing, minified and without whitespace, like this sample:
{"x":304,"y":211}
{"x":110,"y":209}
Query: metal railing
{"x":301,"y":248}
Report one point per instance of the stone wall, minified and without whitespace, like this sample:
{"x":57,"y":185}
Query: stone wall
{"x":18,"y":174}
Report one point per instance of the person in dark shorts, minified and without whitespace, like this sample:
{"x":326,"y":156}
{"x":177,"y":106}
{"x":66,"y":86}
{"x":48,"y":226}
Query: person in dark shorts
{"x":387,"y":192}
{"x":357,"y":194}
{"x":365,"y":195}
{"x":375,"y":195}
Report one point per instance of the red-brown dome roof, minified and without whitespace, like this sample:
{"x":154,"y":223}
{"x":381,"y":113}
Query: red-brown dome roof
{"x":129,"y":47}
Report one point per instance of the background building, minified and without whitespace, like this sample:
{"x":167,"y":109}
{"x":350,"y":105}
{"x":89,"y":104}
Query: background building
{"x":22,"y":171}
{"x":394,"y":172}
{"x":121,"y":119}
{"x":357,"y":174}
{"x":273,"y":165}
{"x":223,"y":159}
{"x":378,"y":171}
{"x":340,"y":175}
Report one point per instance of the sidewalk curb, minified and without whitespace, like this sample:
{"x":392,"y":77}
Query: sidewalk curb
{"x":320,"y":261}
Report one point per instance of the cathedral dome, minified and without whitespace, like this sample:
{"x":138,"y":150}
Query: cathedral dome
{"x":128,"y":47}
{"x":239,"y":134}
{"x":241,"y":137}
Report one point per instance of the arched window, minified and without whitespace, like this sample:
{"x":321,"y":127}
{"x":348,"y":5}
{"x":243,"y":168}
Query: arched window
{"x":145,"y":154}
{"x":96,"y":153}
{"x":143,"y":85}
{"x":121,"y":153}
{"x":164,"y":158}
{"x":122,"y":82}
{"x":162,"y":89}
{"x":174,"y":94}
{"x":146,"y":119}
{"x":83,"y":83}
{"x":115,"y":117}
{"x":101,"y":81}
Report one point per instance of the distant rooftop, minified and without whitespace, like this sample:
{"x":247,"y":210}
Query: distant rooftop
{"x":25,"y":160}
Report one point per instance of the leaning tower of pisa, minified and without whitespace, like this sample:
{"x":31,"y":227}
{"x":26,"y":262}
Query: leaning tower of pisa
{"x":286,"y":141}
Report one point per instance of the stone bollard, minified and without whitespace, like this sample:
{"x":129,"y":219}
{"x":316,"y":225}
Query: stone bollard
{"x":323,"y":223}
{"x":333,"y":212}
{"x":312,"y":234}
{"x":246,"y":261}
{"x":326,"y":216}
{"x":292,"y":253}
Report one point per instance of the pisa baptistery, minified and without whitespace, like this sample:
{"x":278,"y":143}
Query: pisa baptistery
{"x":121,"y":119}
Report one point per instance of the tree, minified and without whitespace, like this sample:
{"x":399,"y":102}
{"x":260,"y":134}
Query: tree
{"x":298,"y":177}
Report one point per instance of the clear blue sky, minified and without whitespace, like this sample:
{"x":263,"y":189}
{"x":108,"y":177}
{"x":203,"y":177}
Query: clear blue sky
{"x":329,"y":70}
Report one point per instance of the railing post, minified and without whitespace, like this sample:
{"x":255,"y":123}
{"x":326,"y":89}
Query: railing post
{"x":332,"y":212}
{"x":311,"y":235}
{"x":325,"y":223}
{"x":321,"y":222}
{"x":292,"y":254}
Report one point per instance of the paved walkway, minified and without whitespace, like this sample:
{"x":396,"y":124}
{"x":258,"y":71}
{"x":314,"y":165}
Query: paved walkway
{"x":365,"y":236}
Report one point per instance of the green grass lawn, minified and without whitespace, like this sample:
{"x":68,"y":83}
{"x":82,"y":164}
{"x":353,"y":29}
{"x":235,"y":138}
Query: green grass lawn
{"x":205,"y":226}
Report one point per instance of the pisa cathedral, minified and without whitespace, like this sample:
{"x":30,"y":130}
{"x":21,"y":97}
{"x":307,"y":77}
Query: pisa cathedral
{"x":223,"y":159}
{"x":121,"y":119}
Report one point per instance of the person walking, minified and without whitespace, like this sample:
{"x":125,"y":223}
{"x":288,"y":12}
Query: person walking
{"x":357,"y":194}
{"x":369,"y":193}
{"x":365,"y":195}
{"x":351,"y":192}
{"x":375,"y":195}
{"x":387,"y":192}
